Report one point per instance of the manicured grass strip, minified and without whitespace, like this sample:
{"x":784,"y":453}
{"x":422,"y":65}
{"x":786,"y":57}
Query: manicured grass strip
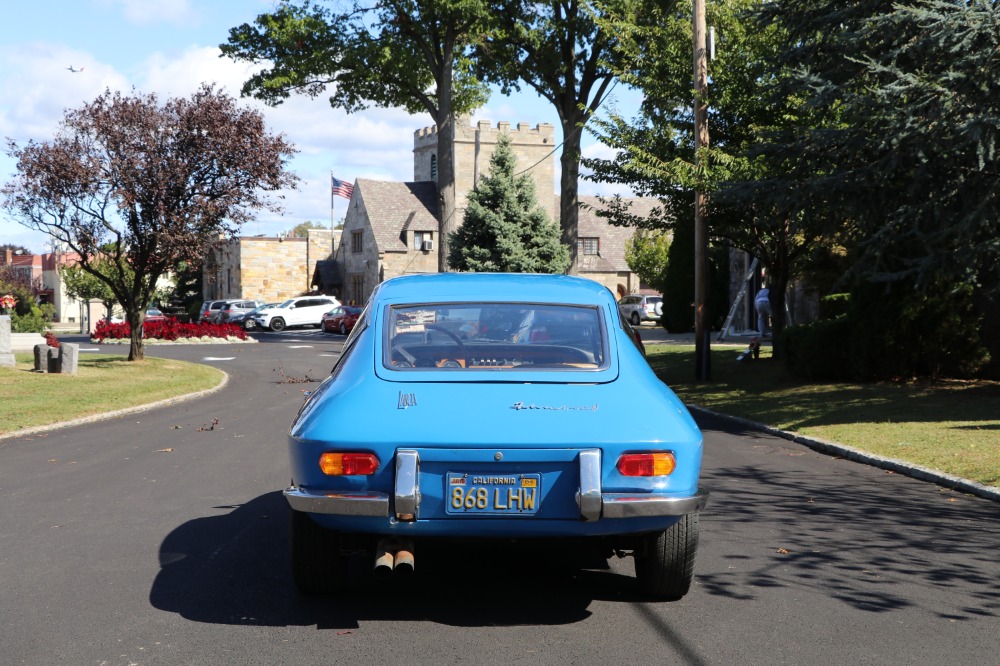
{"x":952,"y":426}
{"x":103,"y":383}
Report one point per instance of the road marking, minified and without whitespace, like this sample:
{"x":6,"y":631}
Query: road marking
{"x":94,"y":349}
{"x":218,"y":358}
{"x":300,"y":346}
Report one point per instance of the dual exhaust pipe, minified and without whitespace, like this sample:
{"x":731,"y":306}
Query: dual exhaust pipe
{"x":393,"y":556}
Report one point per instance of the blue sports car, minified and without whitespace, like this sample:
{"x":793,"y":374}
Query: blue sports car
{"x":493,"y":406}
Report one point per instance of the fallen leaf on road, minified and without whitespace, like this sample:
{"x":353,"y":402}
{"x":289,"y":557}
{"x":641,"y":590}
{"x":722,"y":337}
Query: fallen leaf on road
{"x":164,"y":450}
{"x":342,"y":633}
{"x":784,"y":551}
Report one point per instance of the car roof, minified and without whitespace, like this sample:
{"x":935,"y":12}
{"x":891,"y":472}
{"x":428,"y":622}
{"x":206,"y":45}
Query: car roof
{"x":527,"y":287}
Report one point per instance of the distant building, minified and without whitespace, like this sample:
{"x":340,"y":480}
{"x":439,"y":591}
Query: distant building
{"x":393,"y":228}
{"x":267,"y":268}
{"x":42,"y":271}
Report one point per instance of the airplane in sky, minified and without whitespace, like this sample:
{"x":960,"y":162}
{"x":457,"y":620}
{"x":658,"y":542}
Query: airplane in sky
{"x":74,"y":69}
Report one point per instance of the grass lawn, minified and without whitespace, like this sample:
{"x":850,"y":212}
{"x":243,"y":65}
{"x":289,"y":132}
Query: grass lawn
{"x":103,"y":383}
{"x":952,"y":426}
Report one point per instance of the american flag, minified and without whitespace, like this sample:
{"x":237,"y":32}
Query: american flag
{"x":340,"y":188}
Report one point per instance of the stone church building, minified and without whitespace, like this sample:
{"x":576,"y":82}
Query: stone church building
{"x":392,"y":228}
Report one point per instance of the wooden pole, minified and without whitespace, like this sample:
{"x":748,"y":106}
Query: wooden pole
{"x":702,"y":327}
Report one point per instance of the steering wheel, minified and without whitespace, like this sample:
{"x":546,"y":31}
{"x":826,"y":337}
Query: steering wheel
{"x":411,"y":360}
{"x":457,"y":340}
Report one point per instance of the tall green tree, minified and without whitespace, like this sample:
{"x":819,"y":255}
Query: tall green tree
{"x":914,"y":160}
{"x":656,"y":146}
{"x":558,"y":49}
{"x":505,"y":229}
{"x":648,"y":254}
{"x":412,"y":54}
{"x":135,"y":186}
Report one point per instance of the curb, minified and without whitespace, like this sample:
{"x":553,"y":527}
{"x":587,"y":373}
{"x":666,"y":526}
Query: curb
{"x":107,"y":416}
{"x":864,"y":457}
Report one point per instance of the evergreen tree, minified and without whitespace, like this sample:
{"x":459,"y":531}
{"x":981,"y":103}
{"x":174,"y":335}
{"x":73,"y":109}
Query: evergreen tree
{"x":912,"y":158}
{"x":504,"y":228}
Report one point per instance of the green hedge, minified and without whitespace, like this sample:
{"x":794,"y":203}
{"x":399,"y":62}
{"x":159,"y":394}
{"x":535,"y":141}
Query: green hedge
{"x":891,"y":332}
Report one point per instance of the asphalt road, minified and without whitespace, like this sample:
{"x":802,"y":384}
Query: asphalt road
{"x":160,"y":538}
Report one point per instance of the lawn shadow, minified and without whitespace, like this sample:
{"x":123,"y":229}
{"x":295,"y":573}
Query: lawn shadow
{"x":879,"y":546}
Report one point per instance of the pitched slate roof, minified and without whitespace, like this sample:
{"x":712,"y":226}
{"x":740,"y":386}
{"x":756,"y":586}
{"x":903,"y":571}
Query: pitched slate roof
{"x":397,"y":207}
{"x":612,"y":239}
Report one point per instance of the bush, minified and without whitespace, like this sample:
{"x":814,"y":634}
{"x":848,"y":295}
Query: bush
{"x":891,"y":332}
{"x":168,"y":329}
{"x":31,"y":318}
{"x":820,"y":350}
{"x":834,"y":305}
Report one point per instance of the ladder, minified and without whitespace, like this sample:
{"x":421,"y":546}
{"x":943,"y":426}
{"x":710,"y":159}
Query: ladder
{"x":737,"y":301}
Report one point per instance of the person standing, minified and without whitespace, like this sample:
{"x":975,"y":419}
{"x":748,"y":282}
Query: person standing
{"x":762,"y":303}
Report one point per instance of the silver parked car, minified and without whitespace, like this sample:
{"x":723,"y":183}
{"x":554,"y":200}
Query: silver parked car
{"x":637,"y":308}
{"x":232,"y":308}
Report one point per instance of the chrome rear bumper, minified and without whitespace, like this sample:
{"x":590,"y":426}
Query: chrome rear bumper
{"x":404,"y":504}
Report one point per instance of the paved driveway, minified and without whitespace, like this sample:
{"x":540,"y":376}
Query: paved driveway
{"x":160,"y":538}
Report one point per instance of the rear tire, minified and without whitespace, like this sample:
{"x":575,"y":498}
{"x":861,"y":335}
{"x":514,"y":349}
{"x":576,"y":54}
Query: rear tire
{"x":249,"y":324}
{"x":343,"y":329}
{"x":277,"y":324}
{"x":635,"y":319}
{"x":666,"y":568}
{"x":318,"y":567}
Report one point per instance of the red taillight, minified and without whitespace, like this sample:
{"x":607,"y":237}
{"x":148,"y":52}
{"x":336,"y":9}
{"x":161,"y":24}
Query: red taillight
{"x":348,"y":464}
{"x":646,"y":464}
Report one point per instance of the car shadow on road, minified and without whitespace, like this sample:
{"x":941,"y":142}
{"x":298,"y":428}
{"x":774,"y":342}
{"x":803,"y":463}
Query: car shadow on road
{"x":234,"y":568}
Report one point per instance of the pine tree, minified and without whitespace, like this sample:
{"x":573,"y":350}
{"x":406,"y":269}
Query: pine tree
{"x":504,"y":228}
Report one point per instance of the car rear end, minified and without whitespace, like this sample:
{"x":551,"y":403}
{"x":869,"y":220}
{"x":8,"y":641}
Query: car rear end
{"x":652,"y":308}
{"x":491,"y":428}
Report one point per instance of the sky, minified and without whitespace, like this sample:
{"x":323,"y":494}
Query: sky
{"x":171,"y":47}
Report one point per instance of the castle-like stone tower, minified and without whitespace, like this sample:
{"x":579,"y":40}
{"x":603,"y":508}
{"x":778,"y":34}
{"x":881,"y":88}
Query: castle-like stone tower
{"x":474,"y":145}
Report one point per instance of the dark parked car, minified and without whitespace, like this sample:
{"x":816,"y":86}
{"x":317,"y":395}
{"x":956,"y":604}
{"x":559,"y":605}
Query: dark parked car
{"x":341,"y":319}
{"x":499,"y":408}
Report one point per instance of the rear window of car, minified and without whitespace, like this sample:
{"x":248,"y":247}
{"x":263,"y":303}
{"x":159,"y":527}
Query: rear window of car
{"x":494,"y":336}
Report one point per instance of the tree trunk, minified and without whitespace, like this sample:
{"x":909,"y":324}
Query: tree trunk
{"x":569,"y":197}
{"x":447,"y":209}
{"x":135,"y":351}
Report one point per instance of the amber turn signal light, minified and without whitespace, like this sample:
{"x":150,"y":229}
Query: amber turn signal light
{"x":348,"y":464}
{"x":646,"y":464}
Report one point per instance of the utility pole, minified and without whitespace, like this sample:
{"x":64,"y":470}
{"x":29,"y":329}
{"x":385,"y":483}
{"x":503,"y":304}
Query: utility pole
{"x":702,"y":332}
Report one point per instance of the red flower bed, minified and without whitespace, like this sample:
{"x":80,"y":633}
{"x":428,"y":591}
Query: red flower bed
{"x":167,"y":329}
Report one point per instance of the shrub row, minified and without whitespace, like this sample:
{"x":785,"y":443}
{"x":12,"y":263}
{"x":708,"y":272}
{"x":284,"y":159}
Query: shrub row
{"x":892,"y":332}
{"x":168,"y":329}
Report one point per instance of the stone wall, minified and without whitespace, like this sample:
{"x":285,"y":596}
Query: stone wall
{"x":264,"y":268}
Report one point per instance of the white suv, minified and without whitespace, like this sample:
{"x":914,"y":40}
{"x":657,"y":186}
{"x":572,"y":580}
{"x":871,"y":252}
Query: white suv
{"x":638,"y":308}
{"x":301,"y":311}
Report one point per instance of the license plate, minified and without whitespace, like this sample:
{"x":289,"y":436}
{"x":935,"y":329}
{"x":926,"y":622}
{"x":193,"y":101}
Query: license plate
{"x":503,"y":494}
